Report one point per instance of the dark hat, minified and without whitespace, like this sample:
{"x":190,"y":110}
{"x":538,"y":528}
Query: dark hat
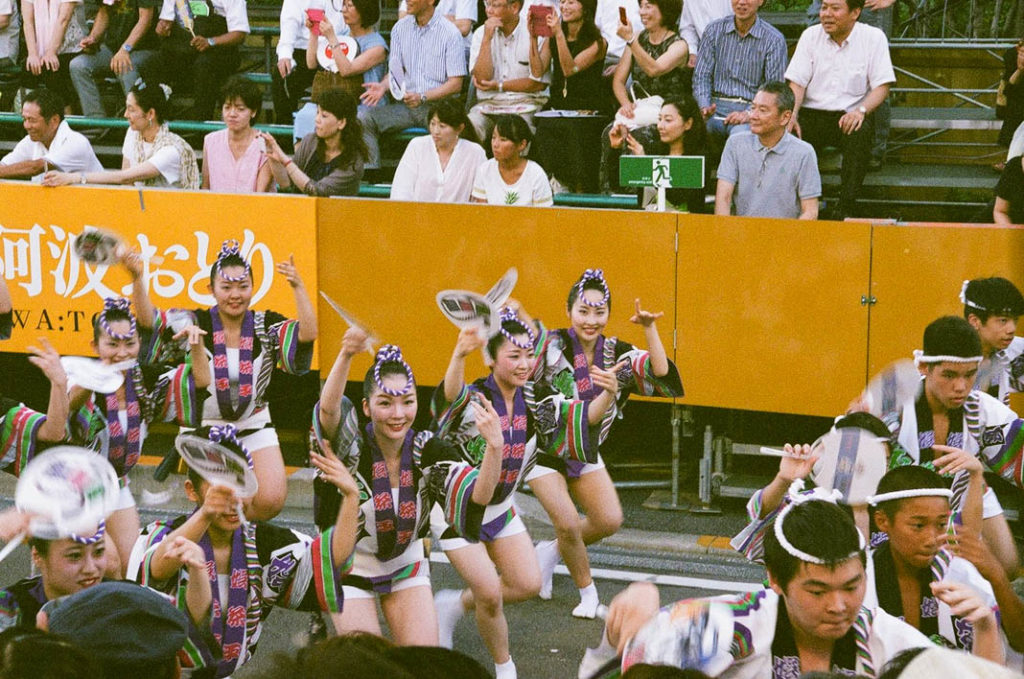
{"x":121,"y":623}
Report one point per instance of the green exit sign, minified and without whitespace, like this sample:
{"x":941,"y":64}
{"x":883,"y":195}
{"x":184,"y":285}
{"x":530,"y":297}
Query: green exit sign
{"x":672,"y":172}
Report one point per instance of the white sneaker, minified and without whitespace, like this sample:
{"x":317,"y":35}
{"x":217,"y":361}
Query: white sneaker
{"x":448,"y":603}
{"x":548,"y":557}
{"x":593,"y":660}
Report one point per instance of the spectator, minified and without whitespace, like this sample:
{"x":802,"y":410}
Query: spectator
{"x":130,"y":630}
{"x":427,"y":63}
{"x":53,"y":34}
{"x":680,"y":133}
{"x":509,"y":71}
{"x":31,"y":653}
{"x":440,"y":167}
{"x":208,"y":55}
{"x":153,"y":155}
{"x":569,"y":148}
{"x":509,"y":178}
{"x":359,"y":16}
{"x":696,"y":16}
{"x":741,"y":52}
{"x":1009,"y":207}
{"x":233,"y":158}
{"x":292,"y":77}
{"x":1012,"y":111}
{"x":10,"y":33}
{"x":462,"y":13}
{"x":329,"y":161}
{"x":122,"y":42}
{"x":767,"y":171}
{"x":50,"y":143}
{"x":840,"y":73}
{"x":608,"y":20}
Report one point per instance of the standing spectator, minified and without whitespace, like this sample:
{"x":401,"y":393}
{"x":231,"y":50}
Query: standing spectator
{"x":696,"y":16}
{"x":1009,"y":208}
{"x":122,"y":42}
{"x":1012,"y":111}
{"x":427,"y":63}
{"x":509,"y":178}
{"x":359,"y":18}
{"x":767,"y":171}
{"x":740,"y":53}
{"x":207,"y":58}
{"x":569,"y":148}
{"x":234,"y":159}
{"x":440,"y":167}
{"x":50,"y":143}
{"x":10,"y":34}
{"x":328,"y":162}
{"x":840,"y":73}
{"x":292,"y":77}
{"x":53,"y":32}
{"x":510,"y":72}
{"x":608,"y":21}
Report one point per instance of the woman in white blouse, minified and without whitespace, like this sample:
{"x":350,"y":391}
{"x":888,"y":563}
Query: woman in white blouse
{"x":441,"y":167}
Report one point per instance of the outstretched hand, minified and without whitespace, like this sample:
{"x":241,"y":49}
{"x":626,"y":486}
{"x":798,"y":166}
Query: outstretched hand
{"x":470,"y":339}
{"x":797,"y":463}
{"x":48,"y":360}
{"x":288,"y":270}
{"x":332,"y":469}
{"x":644,"y":318}
{"x":193,"y":333}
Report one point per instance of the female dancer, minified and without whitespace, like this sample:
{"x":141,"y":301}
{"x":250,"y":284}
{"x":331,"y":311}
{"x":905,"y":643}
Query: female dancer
{"x":393,"y":466}
{"x":567,"y":357}
{"x":503,"y":566}
{"x":245,"y":347}
{"x":115,"y":424}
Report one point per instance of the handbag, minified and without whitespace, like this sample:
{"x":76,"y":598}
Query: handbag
{"x":645,"y":110}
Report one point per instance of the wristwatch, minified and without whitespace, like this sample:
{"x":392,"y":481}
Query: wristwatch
{"x":127,"y":48}
{"x":423,"y":98}
{"x":211,"y":42}
{"x":863,"y":110}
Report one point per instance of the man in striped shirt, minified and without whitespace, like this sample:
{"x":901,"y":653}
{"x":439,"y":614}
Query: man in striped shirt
{"x":739,"y":53}
{"x":427,"y":62}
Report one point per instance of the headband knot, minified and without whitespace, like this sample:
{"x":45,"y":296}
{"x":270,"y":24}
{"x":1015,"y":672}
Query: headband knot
{"x":119,"y":304}
{"x":798,"y":496}
{"x":390,"y":353}
{"x":596,"y":275}
{"x":228,"y":249}
{"x":226,"y":433}
{"x":510,"y":315}
{"x":101,"y":530}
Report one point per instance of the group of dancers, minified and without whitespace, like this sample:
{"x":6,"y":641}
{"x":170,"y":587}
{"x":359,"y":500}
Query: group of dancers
{"x":539,"y":417}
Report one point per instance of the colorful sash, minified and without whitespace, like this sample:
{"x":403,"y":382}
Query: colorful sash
{"x":220,"y":366}
{"x":514,"y":434}
{"x":125,"y":446}
{"x":228,"y":627}
{"x":786,"y":657}
{"x":581,"y":369}
{"x":394,"y":534}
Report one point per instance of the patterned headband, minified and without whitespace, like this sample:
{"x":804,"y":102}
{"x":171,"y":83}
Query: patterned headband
{"x":231,"y":248}
{"x":875,"y":500}
{"x":921,"y":357}
{"x":593,"y":275}
{"x":117,"y":304}
{"x":797,"y":496}
{"x":508,"y":314}
{"x":226,"y":433}
{"x":101,"y":530}
{"x":390,"y":353}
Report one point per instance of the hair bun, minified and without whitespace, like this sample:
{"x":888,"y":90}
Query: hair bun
{"x":389,"y":352}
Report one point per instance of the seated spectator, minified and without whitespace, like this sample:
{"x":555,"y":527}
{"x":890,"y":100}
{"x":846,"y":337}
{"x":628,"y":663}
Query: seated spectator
{"x":51,"y":143}
{"x":52,"y":39}
{"x":427,"y":63}
{"x":840,"y":73}
{"x":122,"y":42}
{"x":680,"y":133}
{"x":233,"y":158}
{"x":1009,"y":208}
{"x":328,"y":162}
{"x":462,"y":13}
{"x":767,"y":172}
{"x":1011,"y":111}
{"x":608,"y":20}
{"x":741,"y":52}
{"x":153,"y":155}
{"x":206,"y":56}
{"x":292,"y":77}
{"x":360,"y":17}
{"x":510,"y":72}
{"x":509,"y":178}
{"x":440,"y":167}
{"x":10,"y":33}
{"x":569,"y":148}
{"x":696,"y":16}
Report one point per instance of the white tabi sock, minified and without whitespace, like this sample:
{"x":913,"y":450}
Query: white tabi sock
{"x":448,"y":603}
{"x":506,"y":670}
{"x":548,"y":557}
{"x":588,"y":603}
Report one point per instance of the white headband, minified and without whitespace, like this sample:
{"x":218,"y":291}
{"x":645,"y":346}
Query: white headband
{"x":874,"y":500}
{"x":798,"y":497}
{"x":920,"y":357}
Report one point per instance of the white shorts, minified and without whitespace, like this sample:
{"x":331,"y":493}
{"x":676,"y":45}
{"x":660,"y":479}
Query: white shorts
{"x":438,"y":528}
{"x":125,"y":499}
{"x":574,"y":470}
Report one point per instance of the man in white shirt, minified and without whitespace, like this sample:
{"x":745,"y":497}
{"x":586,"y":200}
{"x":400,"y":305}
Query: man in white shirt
{"x":696,"y":16}
{"x":500,"y":65}
{"x":840,"y":73}
{"x":50,"y":145}
{"x":607,"y":18}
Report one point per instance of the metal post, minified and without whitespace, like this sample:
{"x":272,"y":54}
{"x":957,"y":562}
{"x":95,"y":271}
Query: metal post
{"x":676,"y":421}
{"x":706,"y":475}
